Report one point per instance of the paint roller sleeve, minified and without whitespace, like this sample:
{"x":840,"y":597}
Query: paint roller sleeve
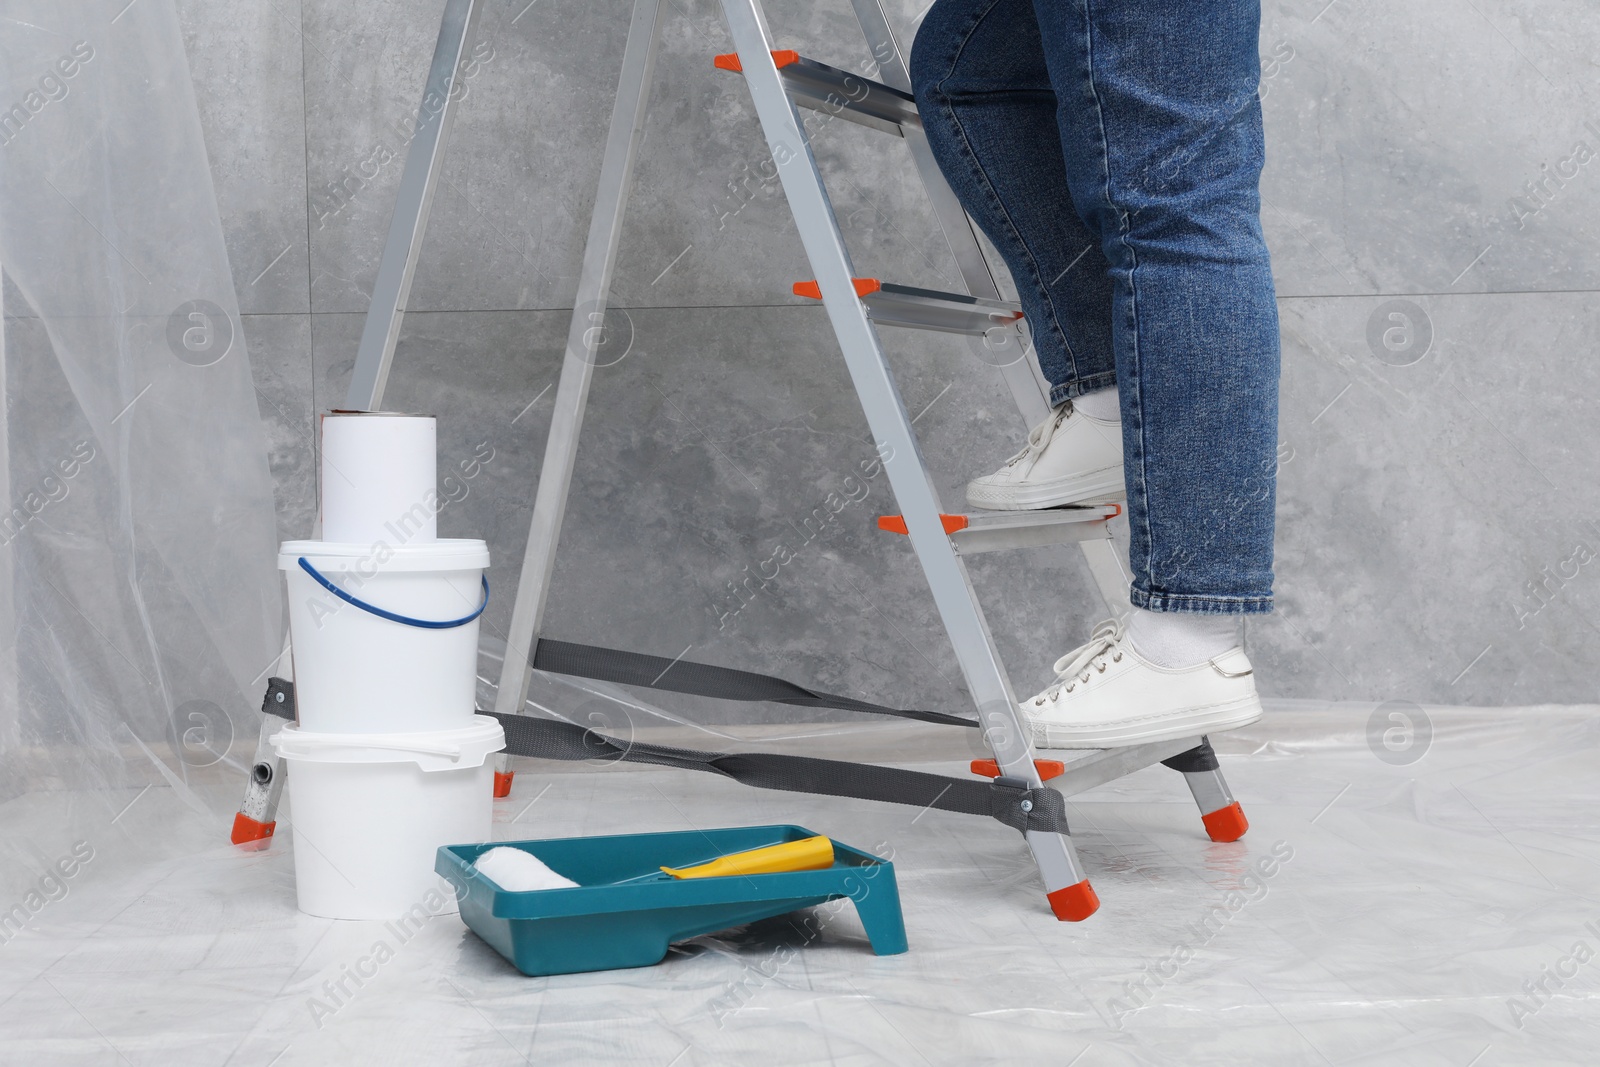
{"x":517,"y":871}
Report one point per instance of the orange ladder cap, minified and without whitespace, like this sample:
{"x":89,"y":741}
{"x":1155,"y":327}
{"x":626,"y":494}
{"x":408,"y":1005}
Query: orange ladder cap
{"x":250,"y":833}
{"x":1226,"y":824}
{"x":1074,"y":903}
{"x":502,"y":784}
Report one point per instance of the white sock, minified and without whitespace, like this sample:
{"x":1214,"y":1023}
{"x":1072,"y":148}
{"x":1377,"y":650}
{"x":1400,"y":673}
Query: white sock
{"x":1102,"y":404}
{"x":1177,"y":639}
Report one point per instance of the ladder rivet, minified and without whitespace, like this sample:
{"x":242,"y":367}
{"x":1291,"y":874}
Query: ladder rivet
{"x":279,"y":696}
{"x":1026,"y":805}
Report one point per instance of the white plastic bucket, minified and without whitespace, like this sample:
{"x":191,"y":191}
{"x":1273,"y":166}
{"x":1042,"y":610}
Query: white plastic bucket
{"x":370,"y":811}
{"x":380,"y":477}
{"x":359,"y":672}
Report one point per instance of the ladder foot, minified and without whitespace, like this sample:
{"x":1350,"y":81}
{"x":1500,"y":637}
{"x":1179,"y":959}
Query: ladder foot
{"x":502,"y":784}
{"x":1074,"y":903}
{"x":250,"y":833}
{"x":1226,"y":824}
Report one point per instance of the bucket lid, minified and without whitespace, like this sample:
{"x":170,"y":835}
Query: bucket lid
{"x":445,"y":554}
{"x":432,"y":750}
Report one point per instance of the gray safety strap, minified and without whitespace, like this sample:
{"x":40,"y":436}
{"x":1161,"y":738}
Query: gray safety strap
{"x":1007,"y":800}
{"x":705,"y":680}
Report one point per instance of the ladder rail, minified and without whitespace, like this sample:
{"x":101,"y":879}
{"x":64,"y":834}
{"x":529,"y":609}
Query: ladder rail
{"x":890,"y":423}
{"x":413,"y":205}
{"x":577,"y":366}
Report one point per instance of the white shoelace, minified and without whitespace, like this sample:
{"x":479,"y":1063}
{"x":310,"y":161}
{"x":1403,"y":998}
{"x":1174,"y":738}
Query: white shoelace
{"x":1074,"y":668}
{"x":1040,"y":436}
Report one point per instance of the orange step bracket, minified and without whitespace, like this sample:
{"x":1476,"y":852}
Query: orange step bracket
{"x":813,"y":291}
{"x":730,"y":60}
{"x":897,"y":523}
{"x":1047,"y":768}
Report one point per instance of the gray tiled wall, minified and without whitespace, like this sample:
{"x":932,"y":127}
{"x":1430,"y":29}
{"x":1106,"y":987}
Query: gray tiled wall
{"x":1437,"y":518}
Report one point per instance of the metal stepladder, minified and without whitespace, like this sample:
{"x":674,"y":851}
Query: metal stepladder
{"x":778,"y":81}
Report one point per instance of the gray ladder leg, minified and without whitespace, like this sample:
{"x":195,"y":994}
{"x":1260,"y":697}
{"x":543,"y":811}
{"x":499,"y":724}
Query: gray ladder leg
{"x":1110,"y":576}
{"x":1007,"y":735}
{"x":257,"y":819}
{"x":1223,"y":817}
{"x":418,"y":183}
{"x":258,"y":813}
{"x":577,"y":367}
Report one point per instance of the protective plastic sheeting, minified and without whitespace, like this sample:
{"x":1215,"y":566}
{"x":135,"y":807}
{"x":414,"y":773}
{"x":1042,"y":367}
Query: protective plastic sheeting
{"x":139,"y":611}
{"x":1417,"y":887}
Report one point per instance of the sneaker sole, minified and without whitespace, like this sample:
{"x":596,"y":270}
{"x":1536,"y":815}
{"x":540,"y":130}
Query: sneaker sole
{"x":1214,"y":718}
{"x":1053,"y":494}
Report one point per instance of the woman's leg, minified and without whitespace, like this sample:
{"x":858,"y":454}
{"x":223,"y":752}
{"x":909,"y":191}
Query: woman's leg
{"x":1161,"y":140}
{"x":983,"y":88}
{"x":1158,"y":137}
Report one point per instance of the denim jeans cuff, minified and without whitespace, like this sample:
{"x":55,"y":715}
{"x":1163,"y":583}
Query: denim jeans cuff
{"x":1201,"y":605}
{"x":1078,"y":386}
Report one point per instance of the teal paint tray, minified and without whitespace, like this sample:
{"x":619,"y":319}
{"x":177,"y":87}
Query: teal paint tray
{"x":626,"y":913}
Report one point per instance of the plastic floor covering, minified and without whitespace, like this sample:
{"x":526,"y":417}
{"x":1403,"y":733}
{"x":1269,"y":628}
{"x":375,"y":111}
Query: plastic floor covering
{"x":1439,"y":904}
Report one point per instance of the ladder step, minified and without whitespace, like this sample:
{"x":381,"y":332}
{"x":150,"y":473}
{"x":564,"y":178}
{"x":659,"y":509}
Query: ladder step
{"x":924,"y":309}
{"x":837,"y":92}
{"x":995,"y":531}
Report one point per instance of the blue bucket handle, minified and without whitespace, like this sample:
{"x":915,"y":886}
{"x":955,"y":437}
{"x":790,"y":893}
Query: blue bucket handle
{"x":306,"y":566}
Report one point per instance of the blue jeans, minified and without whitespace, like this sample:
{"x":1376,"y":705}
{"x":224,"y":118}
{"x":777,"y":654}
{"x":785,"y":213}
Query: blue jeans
{"x":1111,"y":149}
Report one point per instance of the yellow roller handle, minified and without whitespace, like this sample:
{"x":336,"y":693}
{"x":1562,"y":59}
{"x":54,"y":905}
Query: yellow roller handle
{"x":808,"y":854}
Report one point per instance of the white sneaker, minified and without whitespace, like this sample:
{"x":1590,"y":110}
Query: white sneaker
{"x":1069,"y":457}
{"x":1106,"y":694}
